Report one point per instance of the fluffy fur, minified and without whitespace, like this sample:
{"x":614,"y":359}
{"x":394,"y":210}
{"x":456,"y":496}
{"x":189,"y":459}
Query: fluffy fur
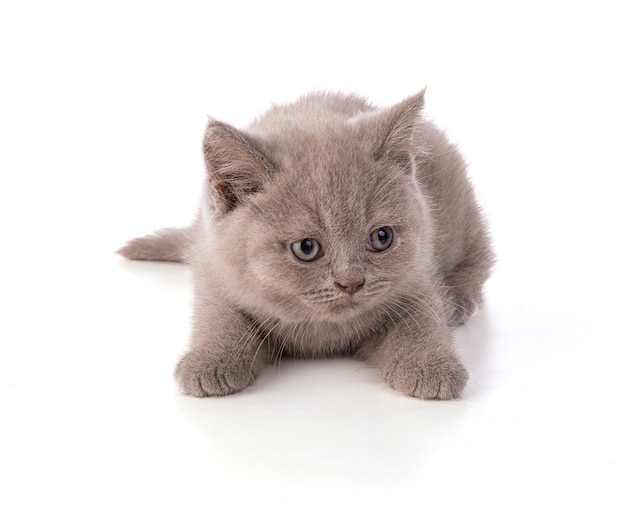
{"x":333,"y":169}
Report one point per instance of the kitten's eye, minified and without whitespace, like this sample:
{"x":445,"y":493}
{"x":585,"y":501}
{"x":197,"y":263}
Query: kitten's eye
{"x":306,"y":250}
{"x":381,"y":239}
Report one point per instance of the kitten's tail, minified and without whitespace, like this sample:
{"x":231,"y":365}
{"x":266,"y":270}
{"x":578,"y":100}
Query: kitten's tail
{"x":167,"y":244}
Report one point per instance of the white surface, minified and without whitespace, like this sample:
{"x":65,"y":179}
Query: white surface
{"x":102,"y":112}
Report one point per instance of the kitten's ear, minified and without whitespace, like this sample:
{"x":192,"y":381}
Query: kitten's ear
{"x":235,"y":164}
{"x":397,"y":130}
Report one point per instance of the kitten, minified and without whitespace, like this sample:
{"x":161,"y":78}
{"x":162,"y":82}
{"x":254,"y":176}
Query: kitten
{"x":330,"y":227}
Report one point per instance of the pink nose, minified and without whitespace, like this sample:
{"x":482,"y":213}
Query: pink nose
{"x":351,"y":287}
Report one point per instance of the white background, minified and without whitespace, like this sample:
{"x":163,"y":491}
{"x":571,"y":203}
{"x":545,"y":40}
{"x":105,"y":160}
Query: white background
{"x":102,"y":110}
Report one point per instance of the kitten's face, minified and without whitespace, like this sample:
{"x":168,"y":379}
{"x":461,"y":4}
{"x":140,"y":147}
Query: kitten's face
{"x":318,"y":220}
{"x":330,"y":239}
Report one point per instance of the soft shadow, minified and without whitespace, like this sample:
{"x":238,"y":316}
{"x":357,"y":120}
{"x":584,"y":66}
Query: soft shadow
{"x":323,"y":421}
{"x":162,"y":273}
{"x":475,"y":341}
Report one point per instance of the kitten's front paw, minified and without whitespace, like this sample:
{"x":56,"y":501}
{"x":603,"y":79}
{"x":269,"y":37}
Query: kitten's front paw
{"x":200,"y":375}
{"x":427,"y":378}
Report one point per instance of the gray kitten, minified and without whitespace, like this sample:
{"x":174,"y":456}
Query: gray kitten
{"x":330,"y":227}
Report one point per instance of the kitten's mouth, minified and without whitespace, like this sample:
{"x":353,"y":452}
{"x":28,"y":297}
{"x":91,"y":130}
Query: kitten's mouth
{"x":335,"y":305}
{"x":348,"y":304}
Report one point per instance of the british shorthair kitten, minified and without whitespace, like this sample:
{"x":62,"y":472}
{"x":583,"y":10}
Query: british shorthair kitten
{"x":330,"y":227}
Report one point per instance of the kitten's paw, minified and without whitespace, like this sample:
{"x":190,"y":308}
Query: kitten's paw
{"x":200,"y":375}
{"x":427,"y":378}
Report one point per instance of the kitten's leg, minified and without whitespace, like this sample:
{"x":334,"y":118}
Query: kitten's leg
{"x":226,"y":355}
{"x":464,"y":285}
{"x":417,"y":355}
{"x":464,"y":294}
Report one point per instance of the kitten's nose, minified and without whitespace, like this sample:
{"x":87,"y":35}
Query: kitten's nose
{"x":351,"y":286}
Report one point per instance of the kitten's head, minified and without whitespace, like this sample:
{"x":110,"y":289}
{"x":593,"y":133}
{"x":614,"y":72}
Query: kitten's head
{"x":319,"y":217}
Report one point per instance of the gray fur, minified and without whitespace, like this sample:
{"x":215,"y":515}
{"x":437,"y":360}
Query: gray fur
{"x":333,"y":168}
